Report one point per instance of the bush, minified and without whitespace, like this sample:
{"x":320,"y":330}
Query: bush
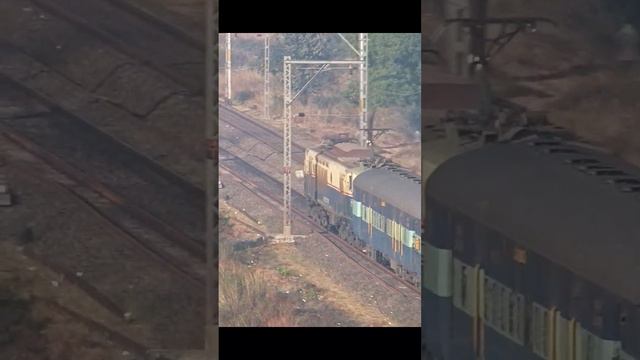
{"x":244,"y":95}
{"x":247,"y":299}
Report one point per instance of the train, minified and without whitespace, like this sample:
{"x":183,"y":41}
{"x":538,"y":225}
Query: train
{"x":531,"y":247}
{"x":531,"y":240}
{"x":371,"y":203}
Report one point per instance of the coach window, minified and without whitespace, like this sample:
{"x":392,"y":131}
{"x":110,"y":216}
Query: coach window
{"x":535,"y":329}
{"x":539,"y":330}
{"x":497,"y":309}
{"x":506,"y":310}
{"x":463,"y":287}
{"x":519,"y":311}
{"x":487,"y":300}
{"x":590,"y":346}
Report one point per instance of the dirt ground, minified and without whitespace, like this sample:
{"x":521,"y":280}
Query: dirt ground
{"x":31,"y":330}
{"x":188,"y":14}
{"x":136,"y":114}
{"x":335,"y":291}
{"x":87,"y":247}
{"x":302,"y":294}
{"x":572,"y":72}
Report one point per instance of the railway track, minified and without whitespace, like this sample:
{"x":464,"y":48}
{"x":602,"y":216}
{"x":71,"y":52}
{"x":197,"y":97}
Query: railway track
{"x":153,"y":42}
{"x":255,"y":177}
{"x":265,"y":134}
{"x":117,"y":187}
{"x":98,"y":268}
{"x":264,"y":186}
{"x":150,"y":234}
{"x":126,"y":342}
{"x":141,"y":233}
{"x":160,"y":53}
{"x":175,"y":204}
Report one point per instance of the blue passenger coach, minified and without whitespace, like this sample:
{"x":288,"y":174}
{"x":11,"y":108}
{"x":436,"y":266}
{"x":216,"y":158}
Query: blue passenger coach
{"x":532,"y":252}
{"x":386,"y":217}
{"x":374,"y":207}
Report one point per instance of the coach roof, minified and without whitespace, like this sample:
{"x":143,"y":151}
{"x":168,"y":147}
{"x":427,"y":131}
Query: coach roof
{"x":392,"y":187}
{"x":537,"y":197}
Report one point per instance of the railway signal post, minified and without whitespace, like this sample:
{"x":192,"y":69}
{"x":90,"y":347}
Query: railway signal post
{"x":288,"y":97}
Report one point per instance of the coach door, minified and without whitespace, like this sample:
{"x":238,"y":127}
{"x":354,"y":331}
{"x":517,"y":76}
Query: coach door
{"x":478,"y":316}
{"x":468,"y":296}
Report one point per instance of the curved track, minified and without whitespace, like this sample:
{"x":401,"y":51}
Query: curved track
{"x":265,"y":187}
{"x":159,"y":46}
{"x":253,"y":128}
{"x":149,"y":233}
{"x":116,"y":185}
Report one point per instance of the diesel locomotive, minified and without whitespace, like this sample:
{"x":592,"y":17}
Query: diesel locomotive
{"x":372,"y":205}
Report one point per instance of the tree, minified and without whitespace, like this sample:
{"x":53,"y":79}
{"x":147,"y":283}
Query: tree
{"x":394,"y":75}
{"x":394,"y":70}
{"x":307,"y":46}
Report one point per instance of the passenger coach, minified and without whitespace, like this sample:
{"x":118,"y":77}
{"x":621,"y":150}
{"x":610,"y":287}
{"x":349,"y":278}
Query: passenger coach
{"x":532,"y":251}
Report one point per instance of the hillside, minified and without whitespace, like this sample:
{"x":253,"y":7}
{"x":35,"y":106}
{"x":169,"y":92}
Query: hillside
{"x":572,"y":70}
{"x":330,"y":103}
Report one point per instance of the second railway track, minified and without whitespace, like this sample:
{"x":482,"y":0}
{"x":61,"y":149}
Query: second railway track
{"x":156,"y":46}
{"x":265,"y":186}
{"x":152,"y":219}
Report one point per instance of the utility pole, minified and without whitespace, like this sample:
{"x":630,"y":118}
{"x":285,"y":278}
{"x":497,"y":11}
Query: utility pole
{"x":211,"y":126}
{"x":479,"y":58}
{"x":267,"y":97}
{"x":228,"y":64}
{"x":288,"y":99}
{"x":286,"y":218}
{"x":482,"y":47}
{"x":478,"y":33}
{"x":365,"y":133}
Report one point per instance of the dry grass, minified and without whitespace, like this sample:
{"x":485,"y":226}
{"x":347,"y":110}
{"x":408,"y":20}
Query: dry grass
{"x":333,"y":292}
{"x":602,"y":106}
{"x":603,"y":109}
{"x":248,"y":300}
